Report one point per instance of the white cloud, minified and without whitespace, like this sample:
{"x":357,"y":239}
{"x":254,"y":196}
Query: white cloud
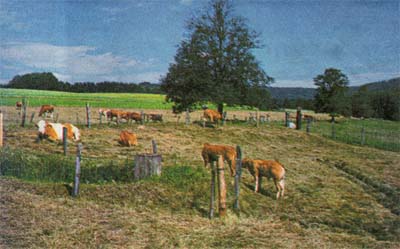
{"x":72,"y":63}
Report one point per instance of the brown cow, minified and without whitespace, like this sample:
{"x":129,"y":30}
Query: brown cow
{"x":118,"y":114}
{"x":127,"y":138}
{"x":46,"y":109}
{"x":155,"y":117}
{"x":137,"y":117}
{"x":212,"y":115}
{"x":267,"y":168}
{"x":18,"y":105}
{"x":211,"y":152}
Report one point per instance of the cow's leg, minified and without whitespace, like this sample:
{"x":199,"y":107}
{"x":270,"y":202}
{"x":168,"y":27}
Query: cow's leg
{"x":256,"y":183}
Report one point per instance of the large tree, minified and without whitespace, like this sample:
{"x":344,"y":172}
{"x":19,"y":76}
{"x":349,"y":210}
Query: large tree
{"x":215,"y":62}
{"x":330,"y":95}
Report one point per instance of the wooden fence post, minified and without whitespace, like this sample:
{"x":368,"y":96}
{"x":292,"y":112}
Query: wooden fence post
{"x":32,"y":116}
{"x":287,"y":119}
{"x":212,"y":193}
{"x":308,"y":125}
{"x":100,"y":117}
{"x":24,"y":104}
{"x":221,"y":187}
{"x":88,"y":115}
{"x":237,"y":176}
{"x":298,"y":118}
{"x":142,"y":117}
{"x":362,"y":136}
{"x":1,"y":129}
{"x":257,"y":118}
{"x":187,"y":118}
{"x":154,"y":145}
{"x":65,"y":137}
{"x":224,"y":115}
{"x":77,"y":169}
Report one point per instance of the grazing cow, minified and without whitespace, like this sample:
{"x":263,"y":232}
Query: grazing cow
{"x":155,"y":117}
{"x":127,"y":138}
{"x":18,"y":105}
{"x":137,"y":117}
{"x":212,"y":115}
{"x":210,"y":153}
{"x":267,"y":168}
{"x":54,"y":131}
{"x":118,"y":114}
{"x":46,"y":109}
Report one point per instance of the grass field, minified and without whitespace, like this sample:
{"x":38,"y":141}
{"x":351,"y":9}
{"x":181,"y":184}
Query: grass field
{"x":382,"y":134}
{"x":338,"y":195}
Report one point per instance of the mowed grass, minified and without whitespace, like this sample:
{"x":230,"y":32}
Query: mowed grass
{"x":337,"y":195}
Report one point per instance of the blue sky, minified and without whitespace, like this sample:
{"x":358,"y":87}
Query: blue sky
{"x":136,"y":40}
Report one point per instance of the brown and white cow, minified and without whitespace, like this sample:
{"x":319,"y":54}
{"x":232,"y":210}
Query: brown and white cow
{"x":105,"y":112}
{"x":54,"y":131}
{"x":211,"y":152}
{"x":212,"y":115}
{"x":127,"y":138}
{"x":46,"y":109}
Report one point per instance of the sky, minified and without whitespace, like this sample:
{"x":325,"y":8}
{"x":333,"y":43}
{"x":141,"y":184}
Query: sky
{"x":136,"y":40}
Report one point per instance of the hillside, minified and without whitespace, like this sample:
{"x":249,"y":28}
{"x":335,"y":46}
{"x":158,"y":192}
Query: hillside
{"x":337,"y":195}
{"x":308,"y":93}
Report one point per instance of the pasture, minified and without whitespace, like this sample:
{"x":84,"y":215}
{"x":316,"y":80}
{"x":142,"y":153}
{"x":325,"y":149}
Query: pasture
{"x":340,"y":195}
{"x":337,"y":195}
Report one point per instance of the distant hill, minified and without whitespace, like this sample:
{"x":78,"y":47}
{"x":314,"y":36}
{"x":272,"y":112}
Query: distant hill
{"x":308,"y":93}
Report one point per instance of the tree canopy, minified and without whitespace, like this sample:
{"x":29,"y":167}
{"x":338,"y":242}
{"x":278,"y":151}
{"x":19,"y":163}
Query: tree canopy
{"x":215,"y":62}
{"x":330,"y":95}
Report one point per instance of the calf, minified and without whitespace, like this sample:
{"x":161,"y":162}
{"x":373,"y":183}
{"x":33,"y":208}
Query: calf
{"x":211,"y":152}
{"x":46,"y":109}
{"x":127,"y":138}
{"x":212,"y":115}
{"x":54,"y":131}
{"x":267,"y":168}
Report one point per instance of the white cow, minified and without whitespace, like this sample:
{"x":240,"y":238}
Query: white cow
{"x":54,"y":131}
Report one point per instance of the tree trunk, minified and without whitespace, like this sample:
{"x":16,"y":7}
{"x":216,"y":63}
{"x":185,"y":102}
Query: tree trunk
{"x":221,"y":108}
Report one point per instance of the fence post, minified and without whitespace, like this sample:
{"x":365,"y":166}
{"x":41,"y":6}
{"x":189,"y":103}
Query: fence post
{"x":224,"y":114}
{"x":298,"y":118}
{"x":24,"y":104}
{"x":212,"y":194}
{"x":32,"y":116}
{"x":333,"y":130}
{"x":287,"y":119}
{"x":257,"y":118}
{"x":77,"y":169}
{"x":88,"y":115}
{"x":1,"y":129}
{"x":221,"y":187}
{"x":187,"y":117}
{"x":154,"y":145}
{"x":141,"y":117}
{"x":362,"y":136}
{"x":65,"y":136}
{"x":237,"y":176}
{"x":100,"y":117}
{"x":308,"y":125}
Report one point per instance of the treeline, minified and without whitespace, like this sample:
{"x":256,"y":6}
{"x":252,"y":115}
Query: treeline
{"x":47,"y":81}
